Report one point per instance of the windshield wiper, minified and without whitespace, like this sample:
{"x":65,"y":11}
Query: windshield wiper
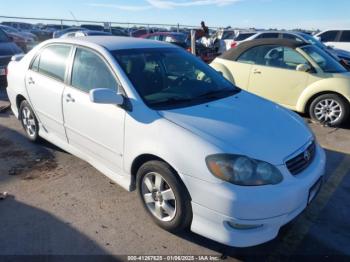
{"x":171,"y":101}
{"x":218,"y":93}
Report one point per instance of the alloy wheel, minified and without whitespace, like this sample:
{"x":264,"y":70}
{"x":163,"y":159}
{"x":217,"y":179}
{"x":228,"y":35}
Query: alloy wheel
{"x":159,"y":197}
{"x":28,"y":121}
{"x":328,"y":111}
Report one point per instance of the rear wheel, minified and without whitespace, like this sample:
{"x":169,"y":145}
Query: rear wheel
{"x":329,"y":109}
{"x":164,"y":196}
{"x":29,"y":122}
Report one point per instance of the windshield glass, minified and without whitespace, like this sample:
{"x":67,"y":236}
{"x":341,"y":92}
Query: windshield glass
{"x":327,"y":63}
{"x":170,"y":77}
{"x":3,"y":37}
{"x":314,"y":41}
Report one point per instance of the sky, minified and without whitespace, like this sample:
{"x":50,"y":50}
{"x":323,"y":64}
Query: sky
{"x":287,"y":14}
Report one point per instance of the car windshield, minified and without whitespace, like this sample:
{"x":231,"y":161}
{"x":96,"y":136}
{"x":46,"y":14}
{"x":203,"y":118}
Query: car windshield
{"x":168,"y":78}
{"x":312,"y":40}
{"x":3,"y":37}
{"x":327,"y":63}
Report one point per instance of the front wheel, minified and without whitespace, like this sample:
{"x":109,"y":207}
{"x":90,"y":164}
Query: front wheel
{"x":330,"y":109}
{"x":29,"y":122}
{"x":164,"y":196}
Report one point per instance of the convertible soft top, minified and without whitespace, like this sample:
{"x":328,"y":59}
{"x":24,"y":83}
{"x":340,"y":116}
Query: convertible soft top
{"x":234,"y":53}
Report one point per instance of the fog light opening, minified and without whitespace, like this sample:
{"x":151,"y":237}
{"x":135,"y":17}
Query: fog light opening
{"x":243,"y":227}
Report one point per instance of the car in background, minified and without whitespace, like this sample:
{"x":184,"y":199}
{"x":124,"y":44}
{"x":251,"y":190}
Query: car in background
{"x":296,"y":75}
{"x":175,"y":38}
{"x":93,"y":27}
{"x":7,"y":49}
{"x":341,"y":55}
{"x":24,"y":42}
{"x":335,"y":38}
{"x":239,"y":38}
{"x":59,"y":33}
{"x":83,"y":33}
{"x":223,"y":39}
{"x":10,"y":29}
{"x":141,"y":32}
{"x":133,"y":108}
{"x":207,"y":54}
{"x":118,"y":32}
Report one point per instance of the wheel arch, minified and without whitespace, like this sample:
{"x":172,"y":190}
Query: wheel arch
{"x":144,"y":158}
{"x":313,"y":97}
{"x":19,"y":99}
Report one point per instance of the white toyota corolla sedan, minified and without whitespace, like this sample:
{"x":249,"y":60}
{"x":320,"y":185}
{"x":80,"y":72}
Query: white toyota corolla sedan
{"x":201,"y":153}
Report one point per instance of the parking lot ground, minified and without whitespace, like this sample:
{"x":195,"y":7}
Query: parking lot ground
{"x":60,"y":205}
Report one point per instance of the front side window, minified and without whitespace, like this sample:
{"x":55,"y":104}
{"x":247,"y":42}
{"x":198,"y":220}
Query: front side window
{"x":329,"y":36}
{"x":327,"y":63}
{"x":53,"y":61}
{"x":91,"y":72}
{"x":273,"y":56}
{"x":170,"y":77}
{"x":345,"y":36}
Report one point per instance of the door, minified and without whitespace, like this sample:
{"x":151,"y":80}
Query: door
{"x":45,"y":85}
{"x":95,"y":129}
{"x":275,"y":77}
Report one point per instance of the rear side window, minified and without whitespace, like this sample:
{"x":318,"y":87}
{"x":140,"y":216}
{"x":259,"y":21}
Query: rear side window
{"x":292,"y":37}
{"x":268,"y":35}
{"x":243,"y":36}
{"x":91,"y":72}
{"x":345,"y":36}
{"x":53,"y":61}
{"x":329,"y":36}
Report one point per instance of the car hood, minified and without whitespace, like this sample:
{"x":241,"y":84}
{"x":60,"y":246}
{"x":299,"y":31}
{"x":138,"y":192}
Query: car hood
{"x":247,"y":125}
{"x":9,"y":49}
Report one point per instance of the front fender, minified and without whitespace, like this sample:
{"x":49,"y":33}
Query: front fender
{"x":331,"y":85}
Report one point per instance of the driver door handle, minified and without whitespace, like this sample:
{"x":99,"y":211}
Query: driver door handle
{"x":69,"y":98}
{"x":257,"y":71}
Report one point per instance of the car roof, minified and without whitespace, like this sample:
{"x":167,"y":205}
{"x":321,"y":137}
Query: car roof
{"x":234,"y":53}
{"x":114,"y":42}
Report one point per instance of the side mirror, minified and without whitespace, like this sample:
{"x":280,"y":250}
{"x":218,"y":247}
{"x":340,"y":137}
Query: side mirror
{"x":106,"y":96}
{"x":303,"y":68}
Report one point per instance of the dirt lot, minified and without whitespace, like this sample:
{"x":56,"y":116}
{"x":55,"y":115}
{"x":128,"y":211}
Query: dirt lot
{"x":60,"y":205}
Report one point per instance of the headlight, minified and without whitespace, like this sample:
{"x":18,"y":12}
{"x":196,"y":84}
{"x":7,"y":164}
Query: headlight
{"x":243,"y":171}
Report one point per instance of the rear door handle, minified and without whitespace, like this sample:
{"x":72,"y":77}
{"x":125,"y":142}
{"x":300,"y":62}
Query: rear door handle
{"x":69,"y":98}
{"x":31,"y":81}
{"x":257,"y":71}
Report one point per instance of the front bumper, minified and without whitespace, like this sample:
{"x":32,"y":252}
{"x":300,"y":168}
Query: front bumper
{"x":271,"y":207}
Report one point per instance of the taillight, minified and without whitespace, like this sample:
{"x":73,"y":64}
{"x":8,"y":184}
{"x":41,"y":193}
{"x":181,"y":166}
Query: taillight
{"x":233,"y":45}
{"x":6,"y":71}
{"x":189,"y":49}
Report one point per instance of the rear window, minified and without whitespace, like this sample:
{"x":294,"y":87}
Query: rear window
{"x":345,"y":36}
{"x":3,"y":37}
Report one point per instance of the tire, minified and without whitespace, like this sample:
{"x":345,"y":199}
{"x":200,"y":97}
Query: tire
{"x":330,"y":109}
{"x":29,"y":121}
{"x":171,"y":211}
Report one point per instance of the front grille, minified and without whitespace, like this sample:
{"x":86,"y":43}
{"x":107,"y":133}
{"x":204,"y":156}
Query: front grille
{"x":300,"y":162}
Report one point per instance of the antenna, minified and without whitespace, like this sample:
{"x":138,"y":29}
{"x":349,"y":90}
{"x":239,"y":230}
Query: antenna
{"x":76,"y":20}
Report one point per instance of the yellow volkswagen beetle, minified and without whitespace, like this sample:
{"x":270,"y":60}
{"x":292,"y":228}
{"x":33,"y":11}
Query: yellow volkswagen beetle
{"x":296,"y":75}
